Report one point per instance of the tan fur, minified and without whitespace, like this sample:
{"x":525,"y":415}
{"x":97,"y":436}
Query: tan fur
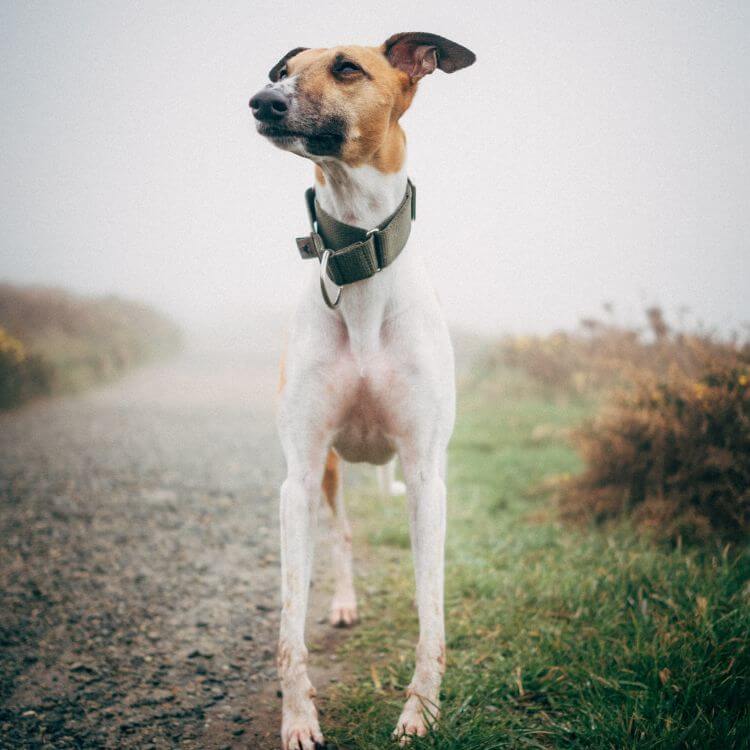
{"x":372,"y":104}
{"x":331,"y":479}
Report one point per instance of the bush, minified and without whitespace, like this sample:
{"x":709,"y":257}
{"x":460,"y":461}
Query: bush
{"x":53,"y":341}
{"x":674,"y":453}
{"x":22,"y":375}
{"x":671,"y":447}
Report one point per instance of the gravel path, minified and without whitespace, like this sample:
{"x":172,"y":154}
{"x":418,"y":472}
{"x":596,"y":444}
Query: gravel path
{"x":139,"y":563}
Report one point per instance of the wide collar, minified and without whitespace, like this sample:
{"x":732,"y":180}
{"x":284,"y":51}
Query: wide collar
{"x":355,"y":253}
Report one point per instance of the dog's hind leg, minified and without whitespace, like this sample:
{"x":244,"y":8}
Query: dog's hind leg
{"x":343,"y":611}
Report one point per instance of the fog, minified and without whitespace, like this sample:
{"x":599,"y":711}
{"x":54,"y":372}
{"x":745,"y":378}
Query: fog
{"x":596,"y":152}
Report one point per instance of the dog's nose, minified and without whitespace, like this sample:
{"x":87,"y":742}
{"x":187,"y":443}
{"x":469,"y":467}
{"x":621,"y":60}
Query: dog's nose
{"x":269,"y":105}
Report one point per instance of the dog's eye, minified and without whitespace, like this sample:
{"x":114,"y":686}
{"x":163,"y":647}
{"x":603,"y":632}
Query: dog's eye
{"x":346,"y":68}
{"x":283,"y":73}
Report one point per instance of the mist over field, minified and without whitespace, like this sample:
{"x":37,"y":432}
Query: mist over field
{"x":596,"y":152}
{"x":583,"y":195}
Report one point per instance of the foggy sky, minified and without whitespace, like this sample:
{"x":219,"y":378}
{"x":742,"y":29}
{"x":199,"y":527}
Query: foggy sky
{"x":596,"y":152}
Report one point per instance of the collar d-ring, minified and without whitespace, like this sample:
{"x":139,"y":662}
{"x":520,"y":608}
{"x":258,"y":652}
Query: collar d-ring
{"x":323,"y":288}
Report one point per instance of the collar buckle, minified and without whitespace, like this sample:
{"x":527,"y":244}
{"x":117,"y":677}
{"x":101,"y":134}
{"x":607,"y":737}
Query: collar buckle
{"x":379,"y":260}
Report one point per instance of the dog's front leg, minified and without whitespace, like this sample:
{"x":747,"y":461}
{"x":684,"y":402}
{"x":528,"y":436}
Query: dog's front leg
{"x":300,"y":497}
{"x":427,"y":507}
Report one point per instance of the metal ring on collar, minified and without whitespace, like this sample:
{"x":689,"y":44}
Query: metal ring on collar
{"x":323,"y":289}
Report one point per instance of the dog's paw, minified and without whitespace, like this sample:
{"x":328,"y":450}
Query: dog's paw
{"x":415,"y":720}
{"x":301,"y":732}
{"x":342,"y":614}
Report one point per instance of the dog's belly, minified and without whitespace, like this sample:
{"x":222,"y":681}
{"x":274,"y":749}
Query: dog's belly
{"x":363,"y":433}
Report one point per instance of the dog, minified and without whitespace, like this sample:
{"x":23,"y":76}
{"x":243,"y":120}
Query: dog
{"x":369,"y":372}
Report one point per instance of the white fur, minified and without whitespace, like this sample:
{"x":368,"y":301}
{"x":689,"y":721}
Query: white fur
{"x":373,"y":379}
{"x":387,"y":482}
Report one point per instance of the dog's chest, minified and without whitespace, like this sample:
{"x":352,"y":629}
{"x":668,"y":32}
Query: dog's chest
{"x":367,"y":416}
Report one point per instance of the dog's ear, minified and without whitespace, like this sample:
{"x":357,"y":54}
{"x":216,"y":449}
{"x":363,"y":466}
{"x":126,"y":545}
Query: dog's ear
{"x":418,"y":54}
{"x":273,"y":74}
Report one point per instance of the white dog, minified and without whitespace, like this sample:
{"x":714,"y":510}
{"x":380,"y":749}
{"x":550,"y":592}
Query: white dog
{"x":369,"y":371}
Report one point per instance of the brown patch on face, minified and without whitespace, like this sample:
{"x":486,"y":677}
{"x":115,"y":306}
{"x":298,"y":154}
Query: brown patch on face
{"x":319,"y":176}
{"x":362,"y":103}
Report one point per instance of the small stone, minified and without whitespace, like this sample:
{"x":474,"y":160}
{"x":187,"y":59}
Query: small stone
{"x":82,"y":668}
{"x":195,"y":653}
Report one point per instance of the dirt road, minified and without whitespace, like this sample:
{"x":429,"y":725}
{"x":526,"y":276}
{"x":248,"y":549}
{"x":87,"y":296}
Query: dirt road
{"x":139,"y":563}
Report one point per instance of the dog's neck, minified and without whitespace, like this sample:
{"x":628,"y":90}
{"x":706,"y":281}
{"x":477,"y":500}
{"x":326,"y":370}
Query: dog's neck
{"x":363,"y":196}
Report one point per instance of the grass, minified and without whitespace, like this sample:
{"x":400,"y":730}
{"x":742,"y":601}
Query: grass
{"x":558,"y":637}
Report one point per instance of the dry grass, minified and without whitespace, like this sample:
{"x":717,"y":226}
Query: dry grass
{"x":603,"y":353}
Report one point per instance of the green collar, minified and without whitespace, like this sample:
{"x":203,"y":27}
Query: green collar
{"x":356,"y":254}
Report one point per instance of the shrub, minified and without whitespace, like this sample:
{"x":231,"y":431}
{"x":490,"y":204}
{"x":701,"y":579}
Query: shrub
{"x":22,"y":375}
{"x":54,"y":341}
{"x":672,"y":452}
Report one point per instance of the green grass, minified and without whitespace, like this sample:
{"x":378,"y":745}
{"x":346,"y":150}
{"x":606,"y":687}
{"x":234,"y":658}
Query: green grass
{"x":557,"y":637}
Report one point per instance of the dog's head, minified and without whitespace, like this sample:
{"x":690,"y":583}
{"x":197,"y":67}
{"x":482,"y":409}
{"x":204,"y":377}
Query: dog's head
{"x":342,"y":102}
